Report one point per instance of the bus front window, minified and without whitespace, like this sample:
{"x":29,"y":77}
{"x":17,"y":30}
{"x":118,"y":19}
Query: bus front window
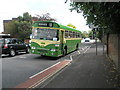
{"x":45,"y":34}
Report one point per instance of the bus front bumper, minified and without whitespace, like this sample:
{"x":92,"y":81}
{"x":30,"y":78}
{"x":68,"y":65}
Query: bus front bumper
{"x":53,"y":53}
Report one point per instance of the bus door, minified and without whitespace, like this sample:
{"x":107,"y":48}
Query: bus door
{"x":62,"y":39}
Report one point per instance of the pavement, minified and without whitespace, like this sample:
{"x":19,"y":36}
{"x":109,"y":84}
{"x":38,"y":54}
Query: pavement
{"x":87,"y":70}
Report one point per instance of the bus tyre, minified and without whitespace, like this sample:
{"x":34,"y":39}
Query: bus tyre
{"x":12,"y":53}
{"x":64,"y":52}
{"x":77,"y":47}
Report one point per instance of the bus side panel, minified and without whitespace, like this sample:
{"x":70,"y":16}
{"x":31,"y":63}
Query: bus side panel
{"x":72,"y":45}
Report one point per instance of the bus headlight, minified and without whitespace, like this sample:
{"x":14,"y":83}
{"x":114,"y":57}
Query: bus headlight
{"x":53,"y":50}
{"x":57,"y":45}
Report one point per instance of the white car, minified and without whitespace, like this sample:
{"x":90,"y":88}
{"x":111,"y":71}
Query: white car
{"x":87,"y":39}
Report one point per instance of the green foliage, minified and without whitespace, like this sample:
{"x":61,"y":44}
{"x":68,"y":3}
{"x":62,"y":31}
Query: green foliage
{"x":90,"y":34}
{"x":84,"y":34}
{"x":23,"y":29}
{"x":24,"y":26}
{"x":27,"y":17}
{"x":101,"y":14}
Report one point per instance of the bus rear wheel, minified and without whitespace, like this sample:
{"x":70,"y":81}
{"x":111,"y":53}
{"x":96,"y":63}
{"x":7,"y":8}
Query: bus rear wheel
{"x":77,"y":47}
{"x":64,"y":51}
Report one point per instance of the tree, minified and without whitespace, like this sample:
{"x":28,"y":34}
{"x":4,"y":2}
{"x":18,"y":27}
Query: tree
{"x":45,"y":17}
{"x":70,"y":25}
{"x":100,"y":14}
{"x":27,"y":17}
{"x":90,"y":34}
{"x":24,"y":26}
{"x":84,"y":34}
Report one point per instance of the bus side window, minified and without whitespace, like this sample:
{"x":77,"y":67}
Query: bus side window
{"x":77,"y":35}
{"x":74,"y":34}
{"x":71,"y":34}
{"x":66,"y":34}
{"x":80,"y":35}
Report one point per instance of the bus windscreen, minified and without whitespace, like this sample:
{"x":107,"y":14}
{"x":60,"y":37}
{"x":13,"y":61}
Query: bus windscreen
{"x":45,"y":34}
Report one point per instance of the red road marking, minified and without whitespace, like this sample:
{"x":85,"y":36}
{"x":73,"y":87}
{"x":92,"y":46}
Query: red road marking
{"x":44,"y":75}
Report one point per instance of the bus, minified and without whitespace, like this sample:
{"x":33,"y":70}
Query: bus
{"x":52,"y":39}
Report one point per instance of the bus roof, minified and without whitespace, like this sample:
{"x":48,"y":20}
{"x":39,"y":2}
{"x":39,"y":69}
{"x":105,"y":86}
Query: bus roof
{"x":68,"y":28}
{"x":55,"y":26}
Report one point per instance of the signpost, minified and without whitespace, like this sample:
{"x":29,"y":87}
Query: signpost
{"x":94,"y":28}
{"x":96,"y":41}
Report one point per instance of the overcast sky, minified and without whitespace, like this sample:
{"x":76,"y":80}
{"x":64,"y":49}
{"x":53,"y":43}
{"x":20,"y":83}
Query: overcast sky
{"x":57,"y":8}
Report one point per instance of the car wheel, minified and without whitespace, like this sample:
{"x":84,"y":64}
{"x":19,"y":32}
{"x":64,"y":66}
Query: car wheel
{"x":12,"y":52}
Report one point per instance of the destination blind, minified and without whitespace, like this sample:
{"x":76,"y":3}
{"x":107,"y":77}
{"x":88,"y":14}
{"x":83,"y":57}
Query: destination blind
{"x":45,"y":24}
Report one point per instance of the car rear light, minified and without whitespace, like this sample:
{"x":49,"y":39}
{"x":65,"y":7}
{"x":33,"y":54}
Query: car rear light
{"x":5,"y":46}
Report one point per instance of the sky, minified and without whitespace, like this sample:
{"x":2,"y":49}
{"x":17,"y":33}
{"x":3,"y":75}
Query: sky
{"x":57,"y":8}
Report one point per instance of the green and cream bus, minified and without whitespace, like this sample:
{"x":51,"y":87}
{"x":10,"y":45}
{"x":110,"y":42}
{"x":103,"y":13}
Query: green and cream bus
{"x":53,"y":39}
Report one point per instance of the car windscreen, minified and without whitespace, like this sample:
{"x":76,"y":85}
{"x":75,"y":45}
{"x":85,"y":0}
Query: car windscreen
{"x":7,"y":41}
{"x":45,"y":34}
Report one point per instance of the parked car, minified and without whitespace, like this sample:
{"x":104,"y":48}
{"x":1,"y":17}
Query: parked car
{"x":12,"y":46}
{"x":87,"y":39}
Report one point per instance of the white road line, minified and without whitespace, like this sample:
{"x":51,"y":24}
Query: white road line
{"x":44,"y":70}
{"x":79,"y":52}
{"x":87,"y":49}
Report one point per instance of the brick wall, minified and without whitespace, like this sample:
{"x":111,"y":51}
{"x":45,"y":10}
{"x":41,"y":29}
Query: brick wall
{"x":113,"y":48}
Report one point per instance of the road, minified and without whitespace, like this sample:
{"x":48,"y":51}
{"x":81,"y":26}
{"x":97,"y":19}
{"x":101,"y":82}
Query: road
{"x":18,"y":69}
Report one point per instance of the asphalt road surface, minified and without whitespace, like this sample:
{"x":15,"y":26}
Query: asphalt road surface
{"x":18,"y":69}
